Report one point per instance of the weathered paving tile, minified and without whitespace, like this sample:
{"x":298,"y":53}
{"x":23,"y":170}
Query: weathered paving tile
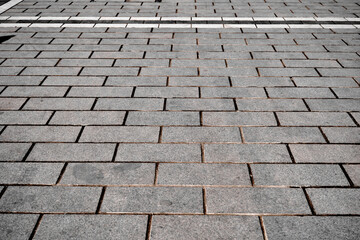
{"x":129,"y":104}
{"x":11,"y":103}
{"x":256,"y":200}
{"x":314,"y":119}
{"x":199,"y":81}
{"x":241,"y":153}
{"x":201,"y":134}
{"x":232,"y":92}
{"x":291,"y":72}
{"x":200,"y":104}
{"x":205,"y":227}
{"x":59,"y":104}
{"x":100,"y":92}
{"x":50,"y":199}
{"x":298,"y":175}
{"x":166,"y":92}
{"x":142,"y":62}
{"x":347,"y":92}
{"x":261,"y":81}
{"x":335,"y":200}
{"x":87,"y":118}
{"x":238,"y":118}
{"x":13,"y":151}
{"x":197,"y":63}
{"x":17,"y":226}
{"x":85,"y":62}
{"x":10,"y":70}
{"x":250,"y":72}
{"x":311,"y":63}
{"x":73,"y":81}
{"x":342,"y":105}
{"x":34,"y":91}
{"x":75,"y":152}
{"x":120,"y":134}
{"x":51,"y":71}
{"x":203,"y":174}
{"x":319,"y":153}
{"x":340,"y":72}
{"x":153,"y":200}
{"x":91,"y":226}
{"x":29,"y":173}
{"x":169,"y":72}
{"x":354,"y":172}
{"x":40,"y":134}
{"x":324,"y":82}
{"x":158,"y":153}
{"x":108,"y":174}
{"x":283,"y":134}
{"x":109,"y":71}
{"x":136,"y":81}
{"x":300,"y":93}
{"x":24,"y":117}
{"x":309,"y":227}
{"x":342,"y":135}
{"x":163,"y":118}
{"x":271,"y":104}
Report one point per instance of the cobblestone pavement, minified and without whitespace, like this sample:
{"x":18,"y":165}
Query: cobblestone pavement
{"x":122,"y":128}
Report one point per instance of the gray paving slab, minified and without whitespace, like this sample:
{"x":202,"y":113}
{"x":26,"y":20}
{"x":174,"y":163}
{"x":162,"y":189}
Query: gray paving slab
{"x":354,"y":173}
{"x":50,"y":199}
{"x":166,"y":92}
{"x":129,"y":104}
{"x":314,"y":119}
{"x":100,"y":92}
{"x":342,"y":135}
{"x":256,"y":200}
{"x":24,"y":117}
{"x":163,"y":118}
{"x":153,"y":200}
{"x":11,"y":103}
{"x":271,"y":105}
{"x":225,"y":92}
{"x":206,"y":227}
{"x":87,"y":118}
{"x":34,"y":91}
{"x":13,"y":151}
{"x":312,"y":227}
{"x":92,"y":226}
{"x":200,"y":104}
{"x":59,"y":104}
{"x":238,"y":119}
{"x":17,"y":226}
{"x":341,"y":105}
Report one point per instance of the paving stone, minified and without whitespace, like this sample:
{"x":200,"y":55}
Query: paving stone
{"x":311,"y":227}
{"x":244,"y":153}
{"x":50,"y":199}
{"x":116,"y":55}
{"x":163,"y":118}
{"x":120,"y":134}
{"x":11,"y":103}
{"x":136,"y":81}
{"x":238,"y":118}
{"x":283,"y":134}
{"x":314,"y":119}
{"x":205,"y":227}
{"x":40,"y":134}
{"x":354,"y":172}
{"x":347,"y":92}
{"x":109,"y":71}
{"x":199,"y":81}
{"x":13,"y":151}
{"x":324,"y":82}
{"x":10,"y":70}
{"x":256,"y":200}
{"x":254,"y":63}
{"x":91,"y":226}
{"x":158,"y":153}
{"x":251,"y":72}
{"x":342,"y":105}
{"x":300,"y":93}
{"x":232,"y":92}
{"x":24,"y":117}
{"x":34,"y":91}
{"x":319,"y":153}
{"x":17,"y":226}
{"x":29,"y":173}
{"x":342,"y":135}
{"x":172,"y":55}
{"x":200,"y":104}
{"x":100,"y":92}
{"x":68,"y":54}
{"x":335,"y":200}
{"x":74,"y":152}
{"x":224,"y":55}
{"x":271,"y":105}
{"x":201,"y":134}
{"x":142,"y":62}
{"x":197,"y":63}
{"x":85,"y":62}
{"x":87,"y":118}
{"x":73,"y":81}
{"x":279,"y":55}
{"x":51,"y":71}
{"x":298,"y":175}
{"x":203,"y":174}
{"x":166,"y":92}
{"x":59,"y":104}
{"x":108,"y":174}
{"x":169,"y":72}
{"x":284,"y":72}
{"x":311,"y":63}
{"x":30,"y":62}
{"x":152,"y":200}
{"x":340,"y":72}
{"x":129,"y":104}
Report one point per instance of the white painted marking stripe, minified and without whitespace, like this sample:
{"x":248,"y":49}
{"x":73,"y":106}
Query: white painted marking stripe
{"x":9,"y":5}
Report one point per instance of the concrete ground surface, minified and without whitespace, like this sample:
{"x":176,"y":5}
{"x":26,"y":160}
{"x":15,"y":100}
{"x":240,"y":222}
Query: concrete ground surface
{"x":194,"y":119}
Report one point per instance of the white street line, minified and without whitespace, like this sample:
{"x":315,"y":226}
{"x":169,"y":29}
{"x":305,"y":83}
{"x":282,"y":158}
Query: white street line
{"x":9,"y":5}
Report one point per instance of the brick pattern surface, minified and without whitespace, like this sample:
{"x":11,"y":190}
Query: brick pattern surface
{"x":180,"y":133}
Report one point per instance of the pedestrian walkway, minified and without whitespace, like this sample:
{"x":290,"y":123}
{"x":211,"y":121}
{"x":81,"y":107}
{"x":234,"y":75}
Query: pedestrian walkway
{"x":194,"y":119}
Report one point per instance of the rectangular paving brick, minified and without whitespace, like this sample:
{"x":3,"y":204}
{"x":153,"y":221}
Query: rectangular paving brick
{"x":248,"y":72}
{"x":109,"y":71}
{"x":142,"y":62}
{"x":59,"y":104}
{"x":291,"y":72}
{"x":271,"y":105}
{"x":342,"y":135}
{"x":11,"y":103}
{"x":197,"y":63}
{"x":347,"y":92}
{"x":13,"y":151}
{"x":29,"y":173}
{"x":152,"y":200}
{"x":99,"y":226}
{"x":298,"y":175}
{"x":232,"y":92}
{"x":100,"y":92}
{"x":238,"y":118}
{"x":342,"y":105}
{"x":314,"y":119}
{"x":166,"y":92}
{"x":283,"y":134}
{"x":201,"y":134}
{"x":120,"y":134}
{"x":136,"y":81}
{"x":109,"y":174}
{"x":40,"y":134}
{"x":335,"y":200}
{"x":34,"y":91}
{"x":163,"y":118}
{"x":74,"y":152}
{"x":51,"y":71}
{"x":17,"y":226}
{"x":87,"y":118}
{"x":73,"y":81}
{"x":200,"y":104}
{"x":129,"y":104}
{"x":311,"y":227}
{"x":300,"y":93}
{"x":50,"y":199}
{"x":169,"y":72}
{"x":203,"y":174}
{"x":354,"y":173}
{"x":324,"y":82}
{"x":199,"y":81}
{"x":206,"y":227}
{"x":158,"y":153}
{"x":24,"y":117}
{"x":256,"y":200}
